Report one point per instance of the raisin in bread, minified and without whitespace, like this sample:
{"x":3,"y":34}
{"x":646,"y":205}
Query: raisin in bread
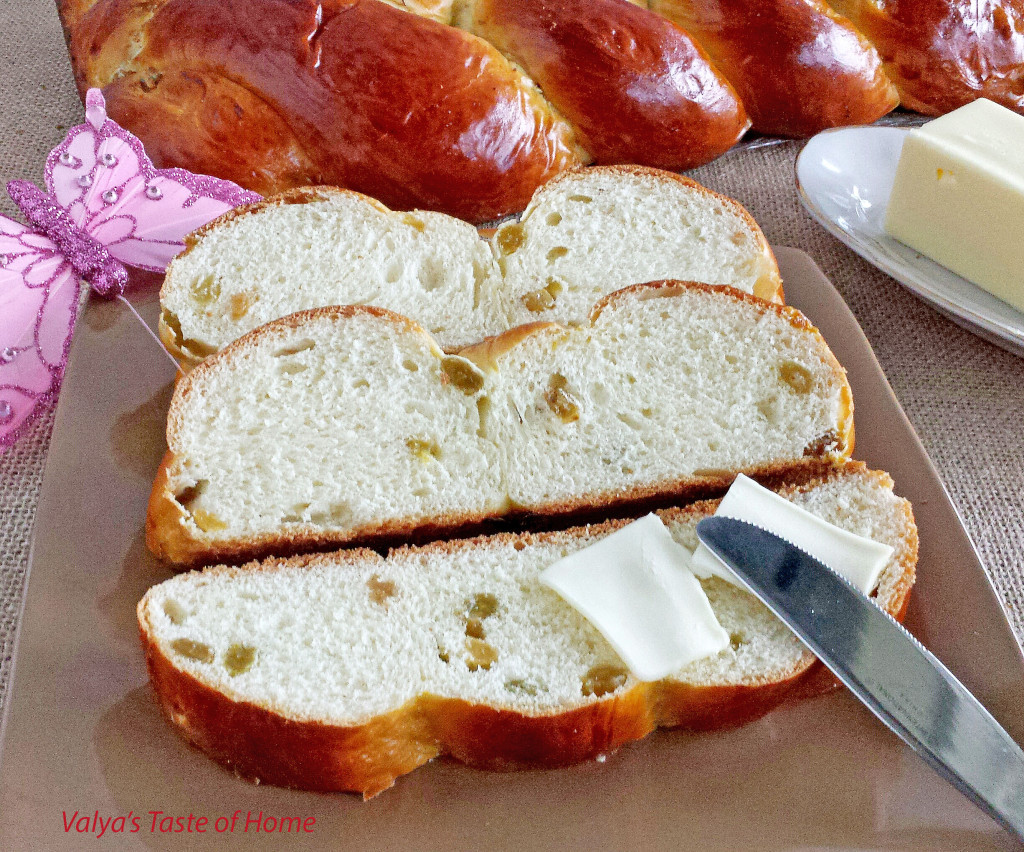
{"x":344,"y":671}
{"x":349,"y":425}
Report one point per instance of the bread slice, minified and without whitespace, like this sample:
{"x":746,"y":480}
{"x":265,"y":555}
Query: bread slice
{"x":588,"y":232}
{"x":348,"y":425}
{"x":344,"y":671}
{"x":324,"y":246}
{"x":668,"y":383}
{"x":321,"y":246}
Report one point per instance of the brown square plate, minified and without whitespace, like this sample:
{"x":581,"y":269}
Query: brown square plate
{"x":84,"y":736}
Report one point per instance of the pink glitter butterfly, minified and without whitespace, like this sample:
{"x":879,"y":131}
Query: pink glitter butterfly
{"x":105,"y":206}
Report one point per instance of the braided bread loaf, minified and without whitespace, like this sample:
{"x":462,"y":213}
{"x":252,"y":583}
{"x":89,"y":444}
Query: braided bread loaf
{"x":466,"y":106}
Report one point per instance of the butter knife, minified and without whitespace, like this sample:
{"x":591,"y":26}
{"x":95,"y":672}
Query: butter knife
{"x":881,"y":663}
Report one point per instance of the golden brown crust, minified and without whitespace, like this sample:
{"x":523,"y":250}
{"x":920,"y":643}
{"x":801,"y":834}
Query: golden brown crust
{"x":172,"y":536}
{"x":486,"y":353}
{"x":942,"y":54}
{"x":798,"y":67}
{"x":259,"y":743}
{"x":439,"y":120}
{"x":167,"y":536}
{"x":634,"y":86}
{"x":274,"y":94}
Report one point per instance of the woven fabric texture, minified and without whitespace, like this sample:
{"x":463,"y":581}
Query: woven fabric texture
{"x":965,"y":397}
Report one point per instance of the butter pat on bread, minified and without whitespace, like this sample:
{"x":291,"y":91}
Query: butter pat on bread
{"x":636,"y":587}
{"x":958,"y":196}
{"x":860,"y":560}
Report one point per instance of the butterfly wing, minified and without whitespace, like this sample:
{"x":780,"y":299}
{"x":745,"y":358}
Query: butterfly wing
{"x":147,"y":224}
{"x":102,"y":175}
{"x":38,"y":300}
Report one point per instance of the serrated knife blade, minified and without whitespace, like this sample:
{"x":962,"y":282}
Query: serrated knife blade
{"x":882,"y":664}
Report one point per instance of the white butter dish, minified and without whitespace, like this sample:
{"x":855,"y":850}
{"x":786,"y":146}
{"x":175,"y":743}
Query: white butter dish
{"x":844,"y":178}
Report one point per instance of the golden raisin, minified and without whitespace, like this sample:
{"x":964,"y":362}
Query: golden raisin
{"x":511,"y":238}
{"x":193,"y":650}
{"x":295,"y":348}
{"x":424,"y":450}
{"x":796,"y":376}
{"x":560,"y":400}
{"x":481,"y":654}
{"x":187,"y":496}
{"x":206,"y":290}
{"x":207,"y":521}
{"x":769,"y":408}
{"x":462,"y":374}
{"x":523,"y":687}
{"x":414,"y":222}
{"x":822,"y":443}
{"x":484,"y":604}
{"x":380,"y":590}
{"x":600,"y":680}
{"x":557,"y":252}
{"x":537,"y":301}
{"x":239,"y":304}
{"x":543,"y":299}
{"x":175,"y":611}
{"x":239,"y":659}
{"x":475,"y":628}
{"x":149,"y":81}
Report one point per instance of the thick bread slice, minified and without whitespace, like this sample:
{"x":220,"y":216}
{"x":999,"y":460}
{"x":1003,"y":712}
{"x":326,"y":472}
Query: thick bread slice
{"x":348,"y":425}
{"x":668,"y":384}
{"x":326,"y":426}
{"x":320,"y":246}
{"x":344,"y":671}
{"x":588,"y":232}
{"x":323,"y":246}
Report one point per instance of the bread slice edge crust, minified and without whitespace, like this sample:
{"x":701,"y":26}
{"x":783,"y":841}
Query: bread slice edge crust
{"x":190,"y":353}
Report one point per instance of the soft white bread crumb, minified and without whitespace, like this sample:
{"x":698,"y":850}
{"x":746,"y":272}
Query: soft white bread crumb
{"x":336,"y":420}
{"x":344,"y":639}
{"x":664,"y":384}
{"x":343,"y":424}
{"x":324,"y":246}
{"x":589,"y":232}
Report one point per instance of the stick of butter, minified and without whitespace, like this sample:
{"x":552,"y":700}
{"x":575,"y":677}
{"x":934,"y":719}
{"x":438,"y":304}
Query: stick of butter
{"x":958,"y":196}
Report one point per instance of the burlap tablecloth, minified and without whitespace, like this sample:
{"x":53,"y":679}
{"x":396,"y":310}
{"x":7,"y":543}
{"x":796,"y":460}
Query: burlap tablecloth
{"x":965,"y":397}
